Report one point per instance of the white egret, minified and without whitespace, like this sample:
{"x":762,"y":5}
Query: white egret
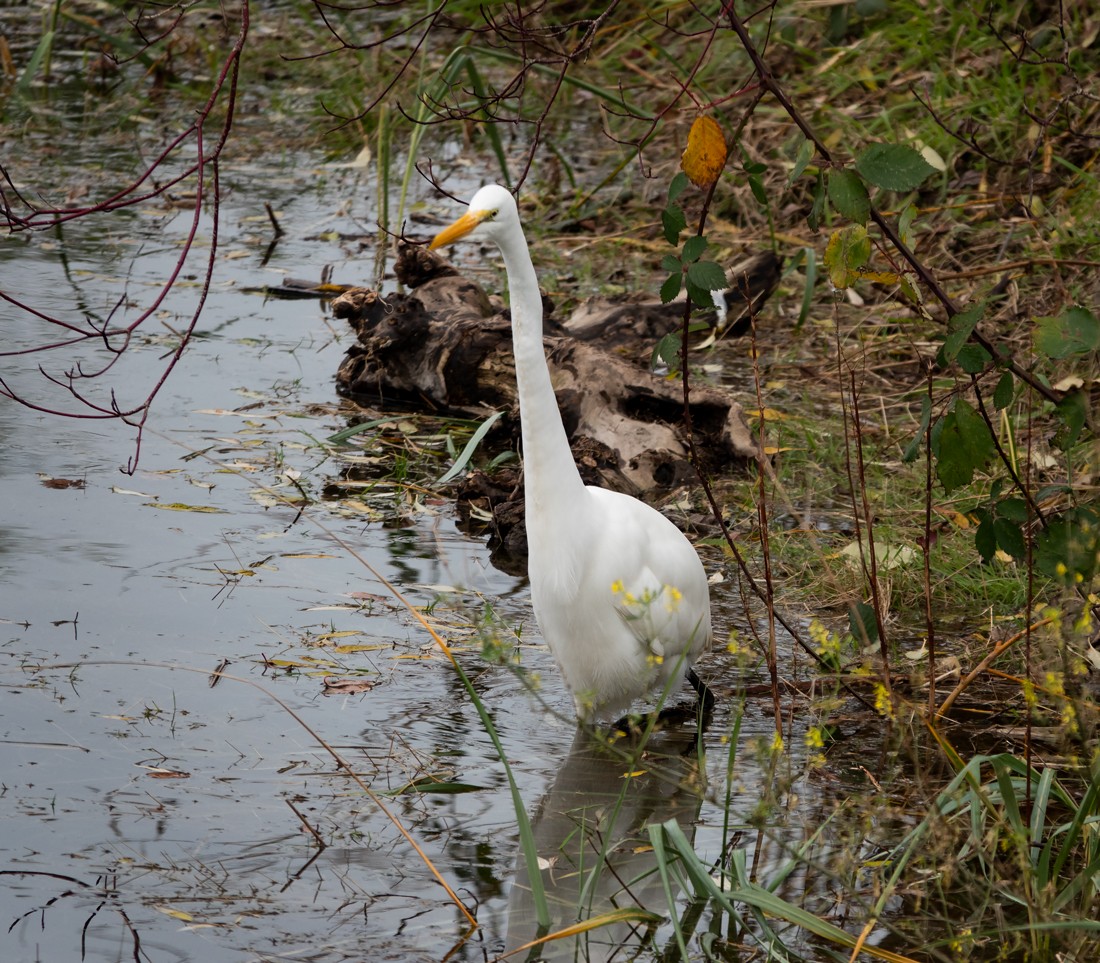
{"x":618,"y":591}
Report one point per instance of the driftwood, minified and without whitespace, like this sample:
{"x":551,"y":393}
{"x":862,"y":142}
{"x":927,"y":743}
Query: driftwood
{"x":448,"y":346}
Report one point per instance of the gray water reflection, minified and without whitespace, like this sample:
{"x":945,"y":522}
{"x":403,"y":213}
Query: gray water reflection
{"x":146,"y":803}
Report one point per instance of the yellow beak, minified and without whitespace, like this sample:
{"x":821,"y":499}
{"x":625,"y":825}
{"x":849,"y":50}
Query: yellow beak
{"x":459,"y":229}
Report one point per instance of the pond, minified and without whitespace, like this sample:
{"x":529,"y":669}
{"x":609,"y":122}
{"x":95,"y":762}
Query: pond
{"x":177,"y":643}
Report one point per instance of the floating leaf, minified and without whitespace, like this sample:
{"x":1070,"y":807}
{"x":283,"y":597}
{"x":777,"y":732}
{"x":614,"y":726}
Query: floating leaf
{"x":894,"y":167}
{"x":706,"y":152}
{"x":175,"y":913}
{"x":181,"y":507}
{"x":849,"y":195}
{"x":332,"y":684}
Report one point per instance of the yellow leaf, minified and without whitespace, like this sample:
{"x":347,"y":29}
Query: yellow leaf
{"x":881,"y":277}
{"x":181,"y":507}
{"x":175,"y":914}
{"x":342,"y":634}
{"x":705,"y":155}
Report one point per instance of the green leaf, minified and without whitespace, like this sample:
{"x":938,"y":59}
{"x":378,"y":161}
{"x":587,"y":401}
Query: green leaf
{"x":973,"y":358}
{"x":985,"y":539}
{"x":756,"y":185}
{"x":849,"y":195}
{"x":847,"y":251}
{"x":1072,"y":411}
{"x":708,"y":276}
{"x":1068,"y":548}
{"x":959,"y":328}
{"x":862,"y":623}
{"x":673,"y":222}
{"x":818,"y":208}
{"x":810,"y":272}
{"x":963,"y":446}
{"x":1074,"y":331}
{"x":694,"y":247}
{"x":1002,"y":394}
{"x":672,"y":285}
{"x":1013,"y":508}
{"x":667,"y":350}
{"x":918,"y":439}
{"x":802,"y":161}
{"x":1010,"y":537}
{"x":671,"y":263}
{"x":894,"y":167}
{"x":677,"y":186}
{"x":905,"y":225}
{"x":471,"y":447}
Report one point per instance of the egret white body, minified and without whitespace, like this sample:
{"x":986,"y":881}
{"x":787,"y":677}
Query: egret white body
{"x":619,"y":593}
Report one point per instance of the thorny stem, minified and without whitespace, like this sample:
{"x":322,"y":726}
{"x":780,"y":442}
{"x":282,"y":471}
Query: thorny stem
{"x":929,"y":624}
{"x":765,"y":544}
{"x":871,"y":557}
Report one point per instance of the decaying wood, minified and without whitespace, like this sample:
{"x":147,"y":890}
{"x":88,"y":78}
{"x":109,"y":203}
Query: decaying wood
{"x":632,"y":324}
{"x":447,"y":346}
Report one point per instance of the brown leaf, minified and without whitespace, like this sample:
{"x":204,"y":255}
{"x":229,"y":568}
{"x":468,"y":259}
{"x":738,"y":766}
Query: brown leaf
{"x":63,"y":482}
{"x":346,"y":686}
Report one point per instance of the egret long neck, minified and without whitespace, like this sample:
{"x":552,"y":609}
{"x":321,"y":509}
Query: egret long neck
{"x":550,"y":475}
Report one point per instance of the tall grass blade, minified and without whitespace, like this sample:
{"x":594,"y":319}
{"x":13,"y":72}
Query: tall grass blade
{"x":759,"y":898}
{"x":491,"y":131}
{"x":657,"y":839}
{"x":526,"y":834}
{"x":471,"y":446}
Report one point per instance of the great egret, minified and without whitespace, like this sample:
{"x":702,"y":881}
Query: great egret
{"x":618,"y":591}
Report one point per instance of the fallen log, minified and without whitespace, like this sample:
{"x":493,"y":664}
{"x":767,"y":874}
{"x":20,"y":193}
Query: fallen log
{"x":447,"y":346}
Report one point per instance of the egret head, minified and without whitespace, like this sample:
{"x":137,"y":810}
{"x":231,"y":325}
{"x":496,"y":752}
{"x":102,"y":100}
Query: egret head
{"x":492,"y":213}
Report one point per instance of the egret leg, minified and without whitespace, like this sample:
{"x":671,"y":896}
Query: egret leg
{"x":706,"y":694}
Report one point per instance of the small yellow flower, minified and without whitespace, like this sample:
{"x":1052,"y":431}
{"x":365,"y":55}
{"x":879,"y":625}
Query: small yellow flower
{"x":884,"y":704}
{"x":617,"y":587}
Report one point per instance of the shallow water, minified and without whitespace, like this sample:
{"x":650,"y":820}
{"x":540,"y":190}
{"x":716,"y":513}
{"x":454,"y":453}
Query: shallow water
{"x":151,"y":804}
